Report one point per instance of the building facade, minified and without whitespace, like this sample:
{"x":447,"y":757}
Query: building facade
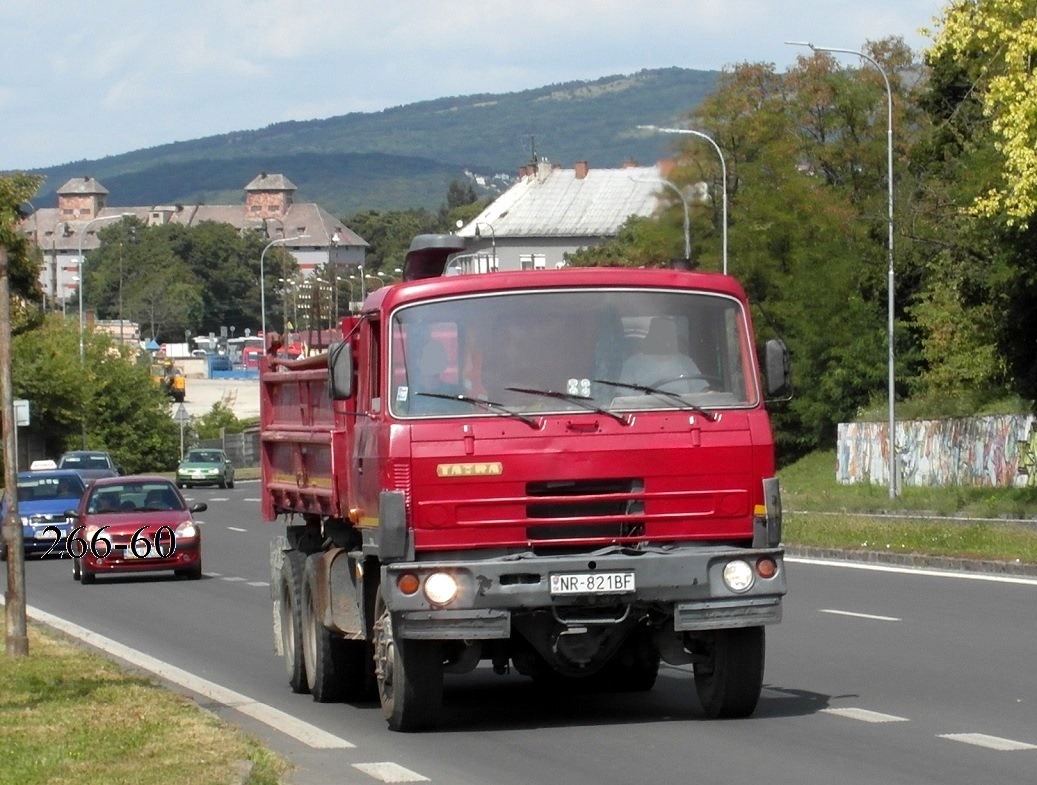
{"x":551,"y":212}
{"x":310,"y":233}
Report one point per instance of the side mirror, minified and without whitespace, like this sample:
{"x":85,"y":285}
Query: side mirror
{"x":71,"y":514}
{"x":340,"y":371}
{"x":778,"y":369}
{"x":199,"y":507}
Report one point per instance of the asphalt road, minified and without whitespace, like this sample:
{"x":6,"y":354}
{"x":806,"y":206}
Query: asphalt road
{"x":874,"y":676}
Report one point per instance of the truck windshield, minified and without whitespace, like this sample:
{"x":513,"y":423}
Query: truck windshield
{"x":542,"y":352}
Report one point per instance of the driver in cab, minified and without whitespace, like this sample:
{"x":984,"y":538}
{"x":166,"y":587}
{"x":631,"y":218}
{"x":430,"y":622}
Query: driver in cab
{"x":658,"y":361}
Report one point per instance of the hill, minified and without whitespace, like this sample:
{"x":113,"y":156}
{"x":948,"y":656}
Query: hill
{"x":406,"y":156}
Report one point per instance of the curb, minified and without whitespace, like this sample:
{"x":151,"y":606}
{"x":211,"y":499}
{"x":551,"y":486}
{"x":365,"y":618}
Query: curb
{"x":949,"y":563}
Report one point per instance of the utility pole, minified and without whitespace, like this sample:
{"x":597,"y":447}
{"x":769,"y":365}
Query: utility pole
{"x":14,"y":608}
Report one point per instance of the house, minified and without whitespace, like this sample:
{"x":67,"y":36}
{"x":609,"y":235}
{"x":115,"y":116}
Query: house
{"x":553,"y":211}
{"x":310,"y":233}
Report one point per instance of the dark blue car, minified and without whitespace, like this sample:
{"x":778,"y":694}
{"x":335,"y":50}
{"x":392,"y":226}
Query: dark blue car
{"x":43,"y":499}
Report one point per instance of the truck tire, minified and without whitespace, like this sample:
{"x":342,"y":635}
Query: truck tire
{"x":290,"y":592}
{"x":323,"y":653}
{"x":409,"y":675}
{"x":729,"y":683}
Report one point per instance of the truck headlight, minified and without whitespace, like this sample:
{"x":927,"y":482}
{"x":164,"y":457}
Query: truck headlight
{"x":440,"y":588}
{"x":738,"y":576}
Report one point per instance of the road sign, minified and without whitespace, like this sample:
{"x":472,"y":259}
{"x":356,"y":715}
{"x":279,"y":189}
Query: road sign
{"x":180,"y":415}
{"x":21,"y":412}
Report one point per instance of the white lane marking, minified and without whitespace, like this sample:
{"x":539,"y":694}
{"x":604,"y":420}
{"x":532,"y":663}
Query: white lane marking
{"x":389,"y":772}
{"x":990,"y":742}
{"x":308,"y":734}
{"x":258,"y":583}
{"x":237,"y":529}
{"x":965,"y":576}
{"x":252,"y":499}
{"x":860,"y":615}
{"x":214,"y":574}
{"x":233,"y":579}
{"x":864,"y":715}
{"x":219,"y":498}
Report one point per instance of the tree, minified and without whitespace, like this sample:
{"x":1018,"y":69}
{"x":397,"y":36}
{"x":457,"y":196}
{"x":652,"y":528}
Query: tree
{"x":998,"y":41}
{"x":123,"y":411}
{"x":23,"y":258}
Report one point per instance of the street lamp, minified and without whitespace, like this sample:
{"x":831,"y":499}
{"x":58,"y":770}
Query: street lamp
{"x":684,"y":201}
{"x":723,"y":172}
{"x":893,"y":491}
{"x":493,"y":239}
{"x":335,"y":240}
{"x":262,"y":279}
{"x":82,"y":277}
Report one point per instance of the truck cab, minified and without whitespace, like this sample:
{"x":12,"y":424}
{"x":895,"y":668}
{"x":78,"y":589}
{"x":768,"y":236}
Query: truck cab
{"x":566,"y":471}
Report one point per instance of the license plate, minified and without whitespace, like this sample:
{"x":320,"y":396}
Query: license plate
{"x":151,"y":554}
{"x":592,"y":583}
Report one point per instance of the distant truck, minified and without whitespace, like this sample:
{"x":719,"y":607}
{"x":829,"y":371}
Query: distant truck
{"x":569,"y":472}
{"x":167,"y":375}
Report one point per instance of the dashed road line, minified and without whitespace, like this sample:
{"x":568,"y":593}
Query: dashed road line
{"x":301,"y":731}
{"x":258,"y":583}
{"x":233,"y":579}
{"x":990,"y":742}
{"x":237,"y":529}
{"x":389,"y":772}
{"x":864,"y":715}
{"x":870,"y":616}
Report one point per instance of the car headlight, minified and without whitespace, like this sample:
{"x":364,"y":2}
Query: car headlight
{"x":186,"y":530}
{"x":440,"y":588}
{"x":738,"y":576}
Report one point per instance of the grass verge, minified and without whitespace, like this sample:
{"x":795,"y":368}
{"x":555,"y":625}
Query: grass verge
{"x":820,"y":512}
{"x":68,"y":715}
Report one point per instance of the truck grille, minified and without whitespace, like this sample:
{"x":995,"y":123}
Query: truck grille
{"x":574,"y":509}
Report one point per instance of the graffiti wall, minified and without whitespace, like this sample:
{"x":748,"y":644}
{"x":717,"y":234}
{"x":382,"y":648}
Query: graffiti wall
{"x":999,"y":450}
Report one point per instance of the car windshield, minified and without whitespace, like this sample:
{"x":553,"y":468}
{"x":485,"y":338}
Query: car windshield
{"x":610,"y":350}
{"x":136,"y":496}
{"x":49,"y":487}
{"x":199,"y":456}
{"x":84,"y":462}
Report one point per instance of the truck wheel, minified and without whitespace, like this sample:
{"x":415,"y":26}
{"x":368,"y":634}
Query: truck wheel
{"x":290,"y":591}
{"x":409,"y":674}
{"x":322,"y":651}
{"x":730,"y":681}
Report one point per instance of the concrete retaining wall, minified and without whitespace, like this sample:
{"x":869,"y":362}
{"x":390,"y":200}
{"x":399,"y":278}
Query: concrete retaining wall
{"x":994,"y":451}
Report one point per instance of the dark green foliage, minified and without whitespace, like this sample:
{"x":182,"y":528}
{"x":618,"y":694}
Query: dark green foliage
{"x":218,"y":420}
{"x":123,"y":411}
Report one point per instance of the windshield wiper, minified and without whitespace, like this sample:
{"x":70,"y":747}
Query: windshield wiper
{"x":663,"y":393}
{"x":492,"y":406}
{"x":580,"y":400}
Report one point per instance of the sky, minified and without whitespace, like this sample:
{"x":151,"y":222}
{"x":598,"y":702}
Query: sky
{"x":80,"y":81}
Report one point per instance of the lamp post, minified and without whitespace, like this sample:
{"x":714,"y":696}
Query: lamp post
{"x":493,"y":239}
{"x":82,"y":277}
{"x":891,"y":361}
{"x":335,"y":240}
{"x":723,"y":173}
{"x":684,"y":201}
{"x":262,"y":279}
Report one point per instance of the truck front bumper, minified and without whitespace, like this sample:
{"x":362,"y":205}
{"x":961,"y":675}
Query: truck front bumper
{"x":685,"y":583}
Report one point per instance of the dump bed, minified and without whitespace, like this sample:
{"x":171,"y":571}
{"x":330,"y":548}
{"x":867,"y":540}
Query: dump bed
{"x":302,"y":449}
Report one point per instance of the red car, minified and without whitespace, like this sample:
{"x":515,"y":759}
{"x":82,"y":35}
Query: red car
{"x":135,"y":524}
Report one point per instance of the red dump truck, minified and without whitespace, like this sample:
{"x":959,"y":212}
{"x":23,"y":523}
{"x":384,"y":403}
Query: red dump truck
{"x":568,"y":472}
